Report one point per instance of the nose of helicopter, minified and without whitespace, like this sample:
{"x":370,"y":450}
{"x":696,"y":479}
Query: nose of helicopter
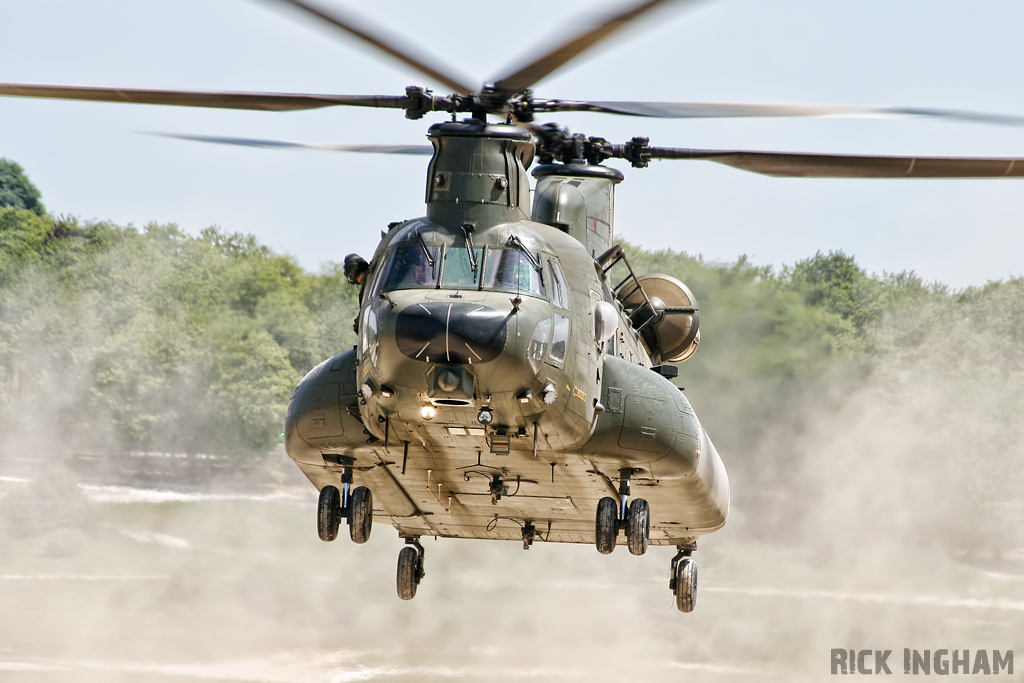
{"x":451,"y":332}
{"x":450,"y":348}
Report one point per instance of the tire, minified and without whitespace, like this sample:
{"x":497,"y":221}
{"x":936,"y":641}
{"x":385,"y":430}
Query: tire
{"x":328,"y":513}
{"x":686,"y":585}
{"x":360,"y":516}
{"x":638,"y":526}
{"x":408,"y":572}
{"x":606,"y":528}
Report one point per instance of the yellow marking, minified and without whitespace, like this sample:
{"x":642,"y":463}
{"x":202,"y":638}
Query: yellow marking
{"x":581,"y":395}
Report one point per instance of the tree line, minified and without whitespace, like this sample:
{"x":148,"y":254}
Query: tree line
{"x":121,"y":338}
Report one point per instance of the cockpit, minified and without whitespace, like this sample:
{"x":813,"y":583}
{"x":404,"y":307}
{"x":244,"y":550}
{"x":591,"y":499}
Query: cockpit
{"x":452,"y":303}
{"x":501,"y":269}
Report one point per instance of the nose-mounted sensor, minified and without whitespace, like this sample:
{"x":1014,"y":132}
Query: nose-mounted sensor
{"x":451,"y":385}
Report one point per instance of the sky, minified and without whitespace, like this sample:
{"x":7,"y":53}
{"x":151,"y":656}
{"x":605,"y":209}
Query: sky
{"x":92,"y":161}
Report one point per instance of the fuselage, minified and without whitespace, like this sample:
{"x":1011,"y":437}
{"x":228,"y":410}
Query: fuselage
{"x":491,"y":323}
{"x":493,"y":353}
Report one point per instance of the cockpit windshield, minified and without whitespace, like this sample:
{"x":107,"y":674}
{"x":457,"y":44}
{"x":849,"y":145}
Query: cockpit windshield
{"x":510,"y":270}
{"x":412,"y":267}
{"x":459,"y":271}
{"x":505,"y":270}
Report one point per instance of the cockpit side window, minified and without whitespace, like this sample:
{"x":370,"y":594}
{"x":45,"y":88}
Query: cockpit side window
{"x":559,"y":287}
{"x":509,"y":270}
{"x":411,"y":267}
{"x":559,"y":340}
{"x":459,"y":271}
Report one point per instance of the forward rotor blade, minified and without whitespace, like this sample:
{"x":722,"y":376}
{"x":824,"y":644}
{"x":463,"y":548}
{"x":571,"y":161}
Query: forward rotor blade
{"x":721,"y":110}
{"x":212,"y":99}
{"x":792,"y":165}
{"x":284,"y":144}
{"x":527,"y":75}
{"x":377,"y":37}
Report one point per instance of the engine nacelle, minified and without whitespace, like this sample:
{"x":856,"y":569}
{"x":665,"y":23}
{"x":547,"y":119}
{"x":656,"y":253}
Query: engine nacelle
{"x":664,"y":311}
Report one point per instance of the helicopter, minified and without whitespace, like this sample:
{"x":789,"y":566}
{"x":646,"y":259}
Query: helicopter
{"x":512,"y":378}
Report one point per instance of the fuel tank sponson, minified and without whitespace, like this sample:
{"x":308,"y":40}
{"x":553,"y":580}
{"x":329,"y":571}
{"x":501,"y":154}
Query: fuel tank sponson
{"x":649,"y":424}
{"x":321,"y":431}
{"x":318,"y":414}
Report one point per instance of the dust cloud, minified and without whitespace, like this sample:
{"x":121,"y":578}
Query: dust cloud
{"x":879,"y":512}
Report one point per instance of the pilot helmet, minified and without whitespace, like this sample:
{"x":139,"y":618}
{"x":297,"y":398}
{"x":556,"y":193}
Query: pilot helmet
{"x":355,"y":266}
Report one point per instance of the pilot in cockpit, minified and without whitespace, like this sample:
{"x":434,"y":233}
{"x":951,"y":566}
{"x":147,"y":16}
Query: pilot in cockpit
{"x":355,"y":270}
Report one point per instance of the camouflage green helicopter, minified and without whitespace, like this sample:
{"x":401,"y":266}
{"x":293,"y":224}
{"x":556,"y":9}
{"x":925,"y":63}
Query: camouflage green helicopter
{"x":512,"y":377}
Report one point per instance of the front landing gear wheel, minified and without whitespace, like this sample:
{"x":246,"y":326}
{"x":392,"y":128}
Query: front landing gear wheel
{"x":606,"y":528}
{"x":328,"y":513}
{"x":686,"y":584}
{"x":410,"y":570}
{"x":360,"y":514}
{"x":638,"y":526}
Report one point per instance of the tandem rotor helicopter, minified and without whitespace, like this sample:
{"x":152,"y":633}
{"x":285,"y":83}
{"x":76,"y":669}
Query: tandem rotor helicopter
{"x":512,"y":376}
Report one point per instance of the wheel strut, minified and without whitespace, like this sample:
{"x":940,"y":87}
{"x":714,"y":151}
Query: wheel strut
{"x":346,"y":486}
{"x":682,"y":550}
{"x":624,"y":475}
{"x":420,"y":553}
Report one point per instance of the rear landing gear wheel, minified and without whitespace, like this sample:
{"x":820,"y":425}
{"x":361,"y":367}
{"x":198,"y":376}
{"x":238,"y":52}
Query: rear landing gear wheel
{"x":685,"y":587}
{"x":410,"y":570}
{"x":638,"y":526}
{"x":360,"y":514}
{"x":328,"y":513}
{"x":606,"y":528}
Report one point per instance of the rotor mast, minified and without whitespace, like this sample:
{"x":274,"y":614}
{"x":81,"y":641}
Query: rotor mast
{"x":477,"y":176}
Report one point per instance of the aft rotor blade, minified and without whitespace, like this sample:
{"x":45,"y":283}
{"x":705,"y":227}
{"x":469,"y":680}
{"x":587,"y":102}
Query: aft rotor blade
{"x":526,"y":76}
{"x":792,"y":165}
{"x":218,"y":100}
{"x":285,"y":144}
{"x":721,"y":110}
{"x":377,"y":37}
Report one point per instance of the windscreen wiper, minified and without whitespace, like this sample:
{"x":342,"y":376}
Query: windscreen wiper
{"x":469,"y":247}
{"x":426,"y":253}
{"x":514,"y":241}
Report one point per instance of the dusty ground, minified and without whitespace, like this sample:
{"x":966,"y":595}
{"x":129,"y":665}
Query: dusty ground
{"x":125,"y":584}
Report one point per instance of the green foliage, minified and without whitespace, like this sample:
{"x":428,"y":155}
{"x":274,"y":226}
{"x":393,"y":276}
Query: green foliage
{"x":154,"y":339}
{"x":23,"y":235}
{"x":17,"y":191}
{"x":906,"y":390}
{"x":835,"y":284}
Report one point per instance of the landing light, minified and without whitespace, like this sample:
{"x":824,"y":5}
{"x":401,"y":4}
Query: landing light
{"x":428,"y":412}
{"x":485,"y":417}
{"x":367,"y":390}
{"x":550,"y":395}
